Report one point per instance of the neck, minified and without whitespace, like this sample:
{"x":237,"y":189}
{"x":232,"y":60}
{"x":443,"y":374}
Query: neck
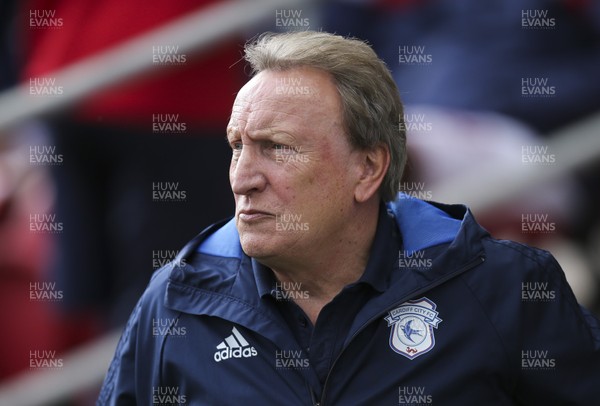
{"x":323,"y":273}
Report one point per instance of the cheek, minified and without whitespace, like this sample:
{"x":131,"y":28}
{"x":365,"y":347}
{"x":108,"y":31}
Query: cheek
{"x":328,"y":178}
{"x":232,"y":166}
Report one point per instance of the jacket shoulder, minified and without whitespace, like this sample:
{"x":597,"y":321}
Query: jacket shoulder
{"x":526,"y":299}
{"x":519,"y":251}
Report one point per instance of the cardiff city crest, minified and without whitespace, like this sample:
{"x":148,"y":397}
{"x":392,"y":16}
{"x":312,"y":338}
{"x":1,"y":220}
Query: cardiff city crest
{"x":412,"y":327}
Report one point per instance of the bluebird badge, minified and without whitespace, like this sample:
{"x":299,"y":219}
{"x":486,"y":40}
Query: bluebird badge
{"x":412,"y":327}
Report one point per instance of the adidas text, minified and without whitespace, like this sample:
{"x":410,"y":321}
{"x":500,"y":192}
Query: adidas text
{"x":235,"y":353}
{"x":234,"y":346}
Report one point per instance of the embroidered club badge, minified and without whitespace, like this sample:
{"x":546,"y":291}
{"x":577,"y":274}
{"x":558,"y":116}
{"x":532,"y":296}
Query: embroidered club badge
{"x":412,"y":327}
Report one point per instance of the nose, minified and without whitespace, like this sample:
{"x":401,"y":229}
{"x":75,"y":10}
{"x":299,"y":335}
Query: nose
{"x":245,"y":173}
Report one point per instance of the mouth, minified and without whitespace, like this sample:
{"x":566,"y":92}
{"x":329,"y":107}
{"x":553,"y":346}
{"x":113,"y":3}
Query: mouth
{"x":253,"y":215}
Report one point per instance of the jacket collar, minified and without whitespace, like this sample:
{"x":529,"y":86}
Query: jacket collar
{"x":450,"y":255}
{"x":212,"y":275}
{"x":383,"y":251}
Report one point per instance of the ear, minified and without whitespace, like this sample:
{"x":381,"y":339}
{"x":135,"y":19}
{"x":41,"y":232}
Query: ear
{"x":374,"y":164}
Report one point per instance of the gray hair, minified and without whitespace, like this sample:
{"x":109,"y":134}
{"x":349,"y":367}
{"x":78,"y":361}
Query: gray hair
{"x":372,"y":110}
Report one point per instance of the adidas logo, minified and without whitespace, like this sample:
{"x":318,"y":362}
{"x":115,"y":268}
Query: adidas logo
{"x":234,"y":346}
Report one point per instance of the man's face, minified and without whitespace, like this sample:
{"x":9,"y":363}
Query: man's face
{"x":293,"y":172}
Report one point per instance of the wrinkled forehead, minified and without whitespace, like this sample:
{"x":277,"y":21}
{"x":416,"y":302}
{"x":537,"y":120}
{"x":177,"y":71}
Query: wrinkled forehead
{"x":298,"y":96}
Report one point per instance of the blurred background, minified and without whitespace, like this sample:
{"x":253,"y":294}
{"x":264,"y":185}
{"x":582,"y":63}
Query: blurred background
{"x":113,"y":156}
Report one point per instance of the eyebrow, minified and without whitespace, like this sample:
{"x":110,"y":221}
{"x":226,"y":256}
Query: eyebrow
{"x":230,"y":132}
{"x":259,"y":135}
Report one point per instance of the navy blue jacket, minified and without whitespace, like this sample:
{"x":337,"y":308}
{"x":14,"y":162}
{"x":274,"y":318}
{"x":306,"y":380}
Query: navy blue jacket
{"x":466,"y":320}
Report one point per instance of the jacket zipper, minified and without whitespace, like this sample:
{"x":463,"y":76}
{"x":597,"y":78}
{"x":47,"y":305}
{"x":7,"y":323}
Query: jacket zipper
{"x":472,"y":264}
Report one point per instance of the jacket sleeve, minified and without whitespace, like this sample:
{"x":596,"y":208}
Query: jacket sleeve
{"x":130,"y":377}
{"x":119,"y":384}
{"x":554,"y":343}
{"x":566,"y":367}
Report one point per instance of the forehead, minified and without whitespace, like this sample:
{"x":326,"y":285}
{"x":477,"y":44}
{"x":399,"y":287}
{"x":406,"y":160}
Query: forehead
{"x":298,"y":97}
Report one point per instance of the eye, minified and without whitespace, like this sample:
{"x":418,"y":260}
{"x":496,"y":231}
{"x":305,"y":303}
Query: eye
{"x":236,"y":149}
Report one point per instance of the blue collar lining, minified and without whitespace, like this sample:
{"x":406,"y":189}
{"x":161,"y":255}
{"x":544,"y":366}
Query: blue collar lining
{"x":421,"y":224}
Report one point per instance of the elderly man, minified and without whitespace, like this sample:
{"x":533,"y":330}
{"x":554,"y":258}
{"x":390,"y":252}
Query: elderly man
{"x":329,"y":287}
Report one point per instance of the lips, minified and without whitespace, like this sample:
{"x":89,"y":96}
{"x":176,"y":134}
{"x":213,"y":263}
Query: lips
{"x":248,"y":215}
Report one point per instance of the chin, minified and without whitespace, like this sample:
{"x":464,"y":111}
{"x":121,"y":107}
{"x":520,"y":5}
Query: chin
{"x":256,"y":247}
